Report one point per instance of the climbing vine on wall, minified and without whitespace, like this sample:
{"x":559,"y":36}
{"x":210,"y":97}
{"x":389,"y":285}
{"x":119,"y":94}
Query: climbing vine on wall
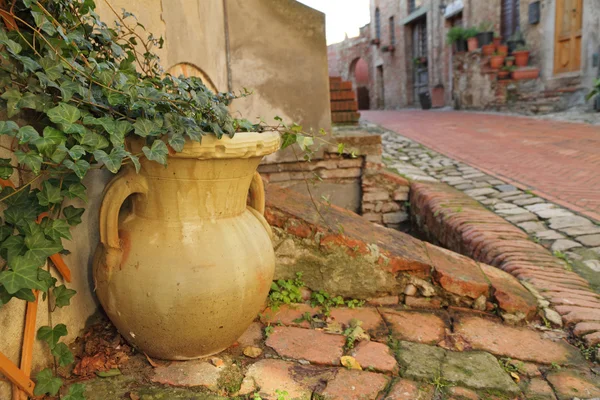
{"x":73,"y":90}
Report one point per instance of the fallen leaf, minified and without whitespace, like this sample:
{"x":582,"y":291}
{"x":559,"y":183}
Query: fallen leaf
{"x":152,"y":362}
{"x":350,"y":363}
{"x":134,"y":396}
{"x":252,"y":352}
{"x":516,"y":377}
{"x":109,"y":373}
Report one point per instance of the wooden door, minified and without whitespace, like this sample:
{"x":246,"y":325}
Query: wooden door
{"x":567,"y":45}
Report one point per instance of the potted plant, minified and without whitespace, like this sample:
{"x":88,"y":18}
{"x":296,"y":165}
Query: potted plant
{"x":375,"y":42}
{"x":388,"y":49}
{"x":525,"y":73}
{"x":497,"y":40}
{"x":502,"y":49}
{"x":486,"y":33}
{"x":488,"y":49}
{"x":456,"y":37}
{"x":521,"y":55}
{"x":188,"y":269}
{"x":509,"y":61}
{"x":515,"y":41}
{"x":595,"y":94}
{"x":471,"y":36}
{"x":505,"y":72}
{"x":497,"y":60}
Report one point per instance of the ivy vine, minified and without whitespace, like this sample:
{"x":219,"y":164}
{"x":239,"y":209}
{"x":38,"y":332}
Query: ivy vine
{"x":73,"y":89}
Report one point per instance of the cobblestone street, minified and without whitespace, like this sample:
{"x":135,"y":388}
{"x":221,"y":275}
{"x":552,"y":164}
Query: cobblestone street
{"x":527,"y":192}
{"x":555,"y":160}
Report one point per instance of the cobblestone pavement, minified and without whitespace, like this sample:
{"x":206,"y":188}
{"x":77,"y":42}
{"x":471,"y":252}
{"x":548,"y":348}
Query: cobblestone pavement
{"x":383,"y":352}
{"x":567,"y":234}
{"x":556,"y":160}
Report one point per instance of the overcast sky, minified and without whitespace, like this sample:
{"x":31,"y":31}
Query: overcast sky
{"x":343,"y":16}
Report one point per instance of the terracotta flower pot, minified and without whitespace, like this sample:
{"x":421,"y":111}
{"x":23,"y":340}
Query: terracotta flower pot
{"x":527,"y":73}
{"x":488,"y":49}
{"x":187,"y":270}
{"x":496,"y":62}
{"x":503,"y":74}
{"x":502,"y":49}
{"x":497,"y":41}
{"x":509,"y":63}
{"x":472,"y":43}
{"x":521,"y":58}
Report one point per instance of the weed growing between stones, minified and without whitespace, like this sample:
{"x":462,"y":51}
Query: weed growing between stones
{"x":440,"y":384}
{"x":590,"y":353}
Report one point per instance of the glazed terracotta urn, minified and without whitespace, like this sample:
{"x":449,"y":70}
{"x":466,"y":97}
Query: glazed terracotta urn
{"x":184,"y":270}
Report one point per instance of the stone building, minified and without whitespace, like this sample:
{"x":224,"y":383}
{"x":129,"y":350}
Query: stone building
{"x":407,"y":53}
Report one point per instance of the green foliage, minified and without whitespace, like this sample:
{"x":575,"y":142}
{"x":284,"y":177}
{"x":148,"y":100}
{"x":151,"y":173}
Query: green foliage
{"x":286,"y":291}
{"x":47,"y":383}
{"x":471,"y":32}
{"x":595,"y":90}
{"x":486,"y":26}
{"x":455,"y":34}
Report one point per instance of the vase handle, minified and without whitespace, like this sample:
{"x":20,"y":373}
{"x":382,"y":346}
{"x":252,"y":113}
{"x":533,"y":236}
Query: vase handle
{"x":257,"y":201}
{"x":126,"y":183}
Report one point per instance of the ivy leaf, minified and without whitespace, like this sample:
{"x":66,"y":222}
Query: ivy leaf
{"x":68,"y":89}
{"x":158,"y":152}
{"x":63,"y":354}
{"x":80,"y":167}
{"x":31,"y":100}
{"x":31,"y":159}
{"x":288,"y":139}
{"x":93,"y":141}
{"x":62,"y":295}
{"x":23,"y":274}
{"x":64,"y":114}
{"x":304,"y":142}
{"x":136,"y":162}
{"x":146,"y":127}
{"x":13,"y":246}
{"x":6,"y":169}
{"x":47,"y":143}
{"x":5,"y":231}
{"x":45,"y":277}
{"x":113,"y":160}
{"x":52,"y":336}
{"x":57,"y":229}
{"x":29,"y":64}
{"x":8,"y":127}
{"x":27,"y":134}
{"x":75,"y":190}
{"x":73,"y":215}
{"x":53,"y":68}
{"x":176,"y":141}
{"x":24,"y":294}
{"x":49,"y":194}
{"x":40,"y":247}
{"x":58,"y":156}
{"x":76,"y":392}
{"x":12,"y":97}
{"x":76,"y":152}
{"x":42,"y":22}
{"x":14,"y":47}
{"x":47,"y":383}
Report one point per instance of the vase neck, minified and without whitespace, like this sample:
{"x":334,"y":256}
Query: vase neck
{"x":191,"y":189}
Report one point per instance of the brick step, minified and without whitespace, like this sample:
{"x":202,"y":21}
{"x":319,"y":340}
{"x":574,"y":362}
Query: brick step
{"x":345,"y":95}
{"x":341,"y":117}
{"x":335,"y":79}
{"x":344,"y":106}
{"x":340,"y":86}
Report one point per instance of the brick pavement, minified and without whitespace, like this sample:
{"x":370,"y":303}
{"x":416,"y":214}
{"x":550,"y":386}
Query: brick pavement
{"x":556,"y":160}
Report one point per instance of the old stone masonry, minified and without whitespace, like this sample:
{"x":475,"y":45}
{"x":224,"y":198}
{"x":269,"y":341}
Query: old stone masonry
{"x":569,"y":236}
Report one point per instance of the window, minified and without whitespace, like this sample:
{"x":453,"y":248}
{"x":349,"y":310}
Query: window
{"x":509,"y":18}
{"x":377,"y":24}
{"x":411,"y":6}
{"x":392,"y":31}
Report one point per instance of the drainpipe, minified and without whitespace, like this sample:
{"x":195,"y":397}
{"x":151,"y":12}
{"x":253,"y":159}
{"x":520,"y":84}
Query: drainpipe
{"x":227,"y":46}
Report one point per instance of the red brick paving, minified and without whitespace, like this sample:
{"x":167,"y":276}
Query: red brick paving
{"x":556,"y":160}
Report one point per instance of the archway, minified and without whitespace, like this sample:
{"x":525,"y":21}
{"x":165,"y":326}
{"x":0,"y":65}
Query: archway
{"x":359,"y":73}
{"x":187,"y":70}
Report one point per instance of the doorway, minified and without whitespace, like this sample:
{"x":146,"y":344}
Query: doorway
{"x":567,"y":44}
{"x":420,"y":62}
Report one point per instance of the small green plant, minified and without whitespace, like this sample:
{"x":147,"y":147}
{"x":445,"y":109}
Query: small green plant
{"x":555,"y":366}
{"x":595,"y":90}
{"x":590,"y":353}
{"x":286,"y":291}
{"x":354,"y":333}
{"x":522,"y":47}
{"x":510,"y":68}
{"x":455,"y":34}
{"x":268,"y":330}
{"x":509,"y":366}
{"x":471,"y":32}
{"x":559,"y":254}
{"x":441,"y":385}
{"x":281,"y":394}
{"x":486,"y":26}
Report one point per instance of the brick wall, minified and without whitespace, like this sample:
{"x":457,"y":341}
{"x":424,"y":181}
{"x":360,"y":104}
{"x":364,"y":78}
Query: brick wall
{"x":343,"y":102}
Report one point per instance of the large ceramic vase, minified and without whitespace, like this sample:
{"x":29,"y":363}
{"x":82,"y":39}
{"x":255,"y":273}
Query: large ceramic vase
{"x":184,"y":269}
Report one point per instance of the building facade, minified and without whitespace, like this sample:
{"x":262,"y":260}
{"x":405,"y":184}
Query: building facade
{"x":407,"y":52}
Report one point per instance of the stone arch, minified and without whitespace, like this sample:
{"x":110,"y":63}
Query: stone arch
{"x":188,"y":69}
{"x":359,"y":76}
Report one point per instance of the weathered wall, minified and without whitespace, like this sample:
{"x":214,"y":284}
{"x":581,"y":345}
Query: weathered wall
{"x":277,"y":49}
{"x":283,"y":60}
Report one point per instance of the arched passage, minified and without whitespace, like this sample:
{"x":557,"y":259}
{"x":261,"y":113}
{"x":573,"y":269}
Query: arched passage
{"x":359,"y":73}
{"x":187,"y":70}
